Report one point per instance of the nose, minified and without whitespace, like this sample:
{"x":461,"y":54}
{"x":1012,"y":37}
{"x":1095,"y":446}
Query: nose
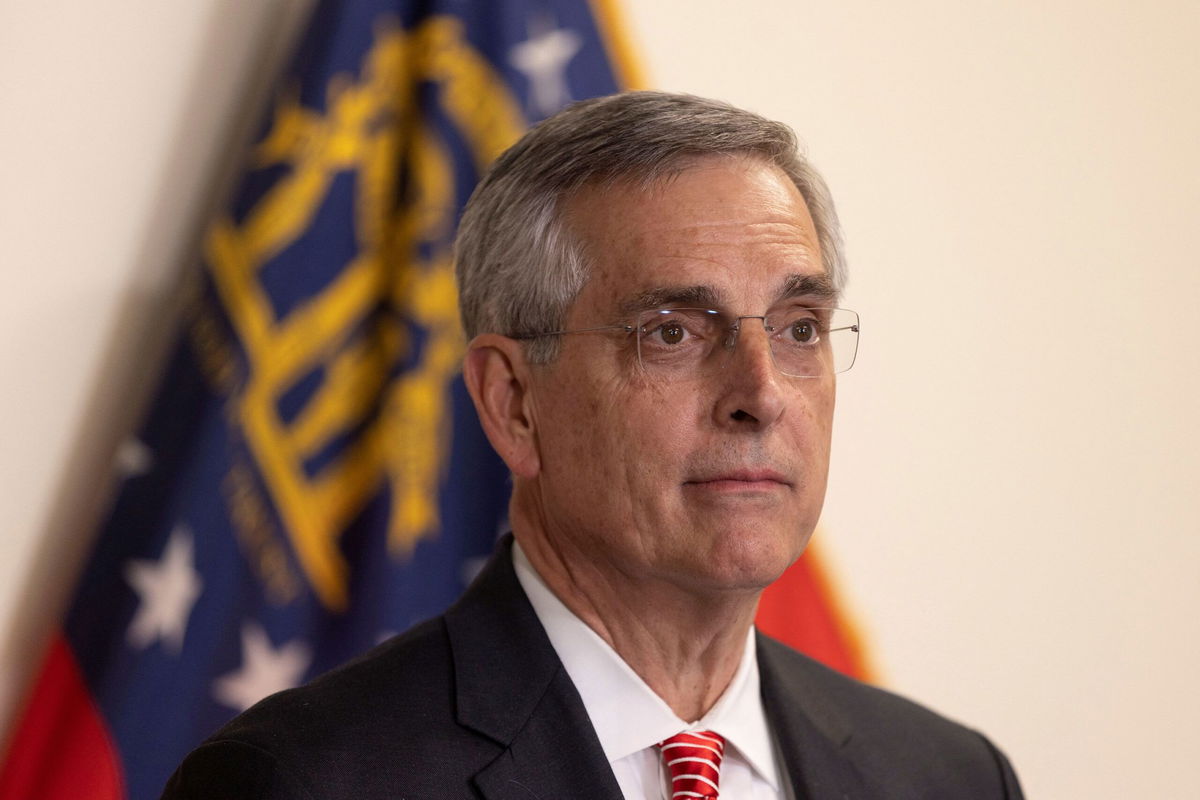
{"x":752,"y":395}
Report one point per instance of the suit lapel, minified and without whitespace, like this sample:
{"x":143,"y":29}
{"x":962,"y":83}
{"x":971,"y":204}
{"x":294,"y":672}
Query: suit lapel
{"x":511,"y":688}
{"x":812,"y":731}
{"x":555,"y":755}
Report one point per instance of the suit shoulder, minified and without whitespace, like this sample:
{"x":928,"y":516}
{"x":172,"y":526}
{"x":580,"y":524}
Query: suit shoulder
{"x":234,"y":770}
{"x":847,"y":699}
{"x":382,"y":681}
{"x":895,"y":743}
{"x":381,"y":723}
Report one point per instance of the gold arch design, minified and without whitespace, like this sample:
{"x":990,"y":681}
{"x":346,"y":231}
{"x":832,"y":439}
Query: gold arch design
{"x":403,"y":262}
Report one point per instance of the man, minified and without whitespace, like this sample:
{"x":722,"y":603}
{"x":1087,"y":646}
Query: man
{"x":650,"y":282}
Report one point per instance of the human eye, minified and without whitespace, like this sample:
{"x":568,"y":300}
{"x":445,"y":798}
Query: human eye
{"x":800,"y":327}
{"x":672,"y":329}
{"x":669,"y":332}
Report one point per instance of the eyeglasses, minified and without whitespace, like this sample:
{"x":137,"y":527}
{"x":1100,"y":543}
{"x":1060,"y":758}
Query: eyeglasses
{"x":695,"y":342}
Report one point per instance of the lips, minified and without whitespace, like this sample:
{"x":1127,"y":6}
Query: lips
{"x":741,"y":478}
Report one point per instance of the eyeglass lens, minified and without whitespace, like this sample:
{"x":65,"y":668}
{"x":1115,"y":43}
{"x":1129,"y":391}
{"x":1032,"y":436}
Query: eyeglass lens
{"x":804,"y":342}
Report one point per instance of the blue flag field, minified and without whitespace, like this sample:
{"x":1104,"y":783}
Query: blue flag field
{"x":311,"y":478}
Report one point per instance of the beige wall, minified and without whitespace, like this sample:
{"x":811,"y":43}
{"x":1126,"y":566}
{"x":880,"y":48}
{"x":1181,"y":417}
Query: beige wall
{"x":1013,"y":515}
{"x":116,"y":121}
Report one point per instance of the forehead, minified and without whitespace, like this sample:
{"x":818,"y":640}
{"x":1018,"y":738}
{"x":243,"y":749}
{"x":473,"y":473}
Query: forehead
{"x":735,"y":225}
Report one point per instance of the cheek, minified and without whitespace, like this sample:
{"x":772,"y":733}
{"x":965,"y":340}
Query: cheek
{"x":825,"y":414}
{"x":818,"y":410}
{"x":818,"y":435}
{"x":662,"y":433}
{"x":580,"y":429}
{"x":624,"y":440}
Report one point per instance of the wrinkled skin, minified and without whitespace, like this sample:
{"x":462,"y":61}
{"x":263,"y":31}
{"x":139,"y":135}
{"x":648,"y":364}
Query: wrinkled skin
{"x":656,"y":509}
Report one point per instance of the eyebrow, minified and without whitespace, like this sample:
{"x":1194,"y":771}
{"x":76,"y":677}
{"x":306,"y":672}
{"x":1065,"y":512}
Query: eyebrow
{"x":699,"y":296}
{"x":816,"y":286}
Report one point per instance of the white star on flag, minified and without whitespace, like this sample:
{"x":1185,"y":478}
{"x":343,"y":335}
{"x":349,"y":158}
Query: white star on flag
{"x":167,"y":590}
{"x":265,"y":669}
{"x":133,"y":458}
{"x":543,"y":58}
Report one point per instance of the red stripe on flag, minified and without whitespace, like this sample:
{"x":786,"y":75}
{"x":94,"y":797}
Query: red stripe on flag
{"x":61,"y":749}
{"x":800,"y":611}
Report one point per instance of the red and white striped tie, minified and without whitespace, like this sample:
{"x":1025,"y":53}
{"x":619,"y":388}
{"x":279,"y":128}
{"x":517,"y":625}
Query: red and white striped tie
{"x":694,"y":761}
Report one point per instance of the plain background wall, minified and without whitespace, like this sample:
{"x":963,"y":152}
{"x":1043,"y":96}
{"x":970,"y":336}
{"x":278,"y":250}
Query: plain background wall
{"x":1013,"y":517}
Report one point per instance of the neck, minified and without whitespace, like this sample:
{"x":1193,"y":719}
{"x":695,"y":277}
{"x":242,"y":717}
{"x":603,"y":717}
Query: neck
{"x":686,"y":644}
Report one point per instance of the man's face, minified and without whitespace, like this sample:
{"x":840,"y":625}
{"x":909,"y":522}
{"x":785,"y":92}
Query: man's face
{"x":710,"y":483}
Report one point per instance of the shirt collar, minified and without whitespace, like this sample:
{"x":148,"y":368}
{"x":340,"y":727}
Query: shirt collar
{"x":626,"y":713}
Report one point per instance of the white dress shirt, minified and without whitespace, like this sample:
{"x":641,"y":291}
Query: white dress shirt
{"x":630,"y":718}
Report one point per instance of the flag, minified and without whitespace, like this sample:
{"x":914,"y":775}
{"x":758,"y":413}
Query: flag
{"x":802,"y":610}
{"x":311,"y":477}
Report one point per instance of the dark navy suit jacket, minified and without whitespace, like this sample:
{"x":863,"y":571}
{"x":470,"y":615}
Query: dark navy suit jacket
{"x":476,"y":704}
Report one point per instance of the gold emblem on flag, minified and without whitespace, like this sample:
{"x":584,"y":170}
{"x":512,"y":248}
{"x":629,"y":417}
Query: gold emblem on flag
{"x":401,"y":425}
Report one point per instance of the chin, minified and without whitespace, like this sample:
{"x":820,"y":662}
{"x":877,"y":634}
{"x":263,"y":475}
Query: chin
{"x":753,"y":560}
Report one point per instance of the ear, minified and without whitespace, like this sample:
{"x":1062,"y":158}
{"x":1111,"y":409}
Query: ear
{"x":497,"y":376}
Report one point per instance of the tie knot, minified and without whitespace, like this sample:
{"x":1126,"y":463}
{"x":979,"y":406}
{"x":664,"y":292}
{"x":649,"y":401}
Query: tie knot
{"x":694,"y":761}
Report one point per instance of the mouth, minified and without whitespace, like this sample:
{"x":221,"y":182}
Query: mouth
{"x":756,"y":480}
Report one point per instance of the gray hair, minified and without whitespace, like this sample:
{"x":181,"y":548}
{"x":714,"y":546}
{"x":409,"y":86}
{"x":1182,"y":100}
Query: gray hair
{"x":520,"y":268}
